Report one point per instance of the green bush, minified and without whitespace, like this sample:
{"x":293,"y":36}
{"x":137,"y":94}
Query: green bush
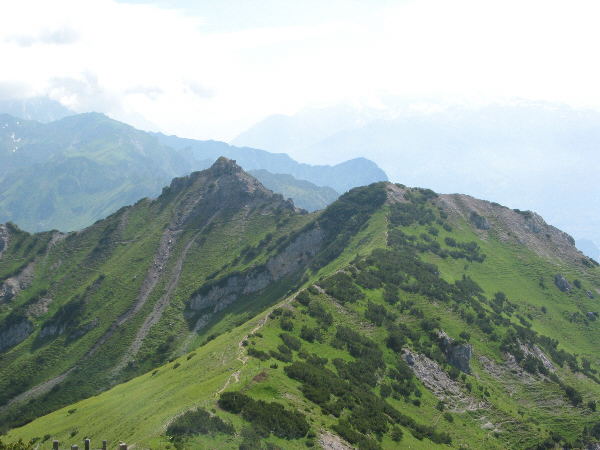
{"x":266,"y":417}
{"x":198,"y":422}
{"x":342,"y":288}
{"x":291,"y":341}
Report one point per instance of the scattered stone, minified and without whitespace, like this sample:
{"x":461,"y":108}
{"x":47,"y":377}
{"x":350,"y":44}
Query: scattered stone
{"x":438,"y":382}
{"x":562,"y":283}
{"x":592,"y":315}
{"x":589,"y":294}
{"x":330,"y":441}
{"x":537,"y":353}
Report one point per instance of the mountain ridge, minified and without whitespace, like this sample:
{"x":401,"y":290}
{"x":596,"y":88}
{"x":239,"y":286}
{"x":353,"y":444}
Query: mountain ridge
{"x":69,"y":173}
{"x":426,"y":308}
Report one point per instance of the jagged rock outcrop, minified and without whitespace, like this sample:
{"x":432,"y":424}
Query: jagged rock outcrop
{"x":458,"y":355}
{"x":12,"y":334}
{"x":480,"y":222}
{"x":561,"y":283}
{"x":438,"y":381}
{"x":537,"y":353}
{"x":225,"y":292}
{"x":525,"y":228}
{"x":221,"y":188}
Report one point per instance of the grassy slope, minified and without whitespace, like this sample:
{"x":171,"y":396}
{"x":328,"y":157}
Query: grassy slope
{"x":105,"y":266}
{"x":525,"y":412}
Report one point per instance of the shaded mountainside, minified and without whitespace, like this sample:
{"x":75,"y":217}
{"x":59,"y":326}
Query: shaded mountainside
{"x":341,"y":177}
{"x":69,"y":173}
{"x":505,"y":151}
{"x":305,"y":194}
{"x":395,"y":317}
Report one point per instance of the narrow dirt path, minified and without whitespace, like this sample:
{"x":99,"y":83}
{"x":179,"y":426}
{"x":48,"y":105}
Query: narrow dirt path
{"x":242,"y":355}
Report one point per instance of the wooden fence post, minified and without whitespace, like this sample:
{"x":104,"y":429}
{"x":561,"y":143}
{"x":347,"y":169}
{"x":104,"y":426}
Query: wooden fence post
{"x":87,"y":444}
{"x":103,"y":445}
{"x":122,"y":446}
{"x":74,"y":447}
{"x":55,"y":445}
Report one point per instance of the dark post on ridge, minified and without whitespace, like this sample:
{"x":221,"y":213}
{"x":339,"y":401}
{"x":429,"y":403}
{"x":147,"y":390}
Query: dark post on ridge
{"x":55,"y":445}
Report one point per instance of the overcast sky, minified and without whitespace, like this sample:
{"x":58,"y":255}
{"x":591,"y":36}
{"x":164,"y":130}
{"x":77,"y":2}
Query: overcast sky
{"x":210,"y":69}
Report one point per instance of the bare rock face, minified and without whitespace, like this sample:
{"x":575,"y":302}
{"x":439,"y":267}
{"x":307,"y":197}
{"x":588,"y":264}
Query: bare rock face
{"x":459,"y":355}
{"x":525,"y":228}
{"x":480,"y":222}
{"x":562,"y":283}
{"x":13,"y":334}
{"x":295,"y":256}
{"x":438,"y":381}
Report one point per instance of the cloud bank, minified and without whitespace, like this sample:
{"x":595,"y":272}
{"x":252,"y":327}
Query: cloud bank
{"x":188,"y":75}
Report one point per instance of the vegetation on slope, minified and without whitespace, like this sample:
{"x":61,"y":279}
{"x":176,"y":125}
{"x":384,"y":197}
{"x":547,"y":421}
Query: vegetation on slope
{"x":412,"y":325}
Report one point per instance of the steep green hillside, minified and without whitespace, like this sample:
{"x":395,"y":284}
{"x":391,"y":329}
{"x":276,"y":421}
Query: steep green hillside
{"x":70,"y":173}
{"x":420,"y":321}
{"x":305,"y":194}
{"x":83,"y":311}
{"x":67,"y":174}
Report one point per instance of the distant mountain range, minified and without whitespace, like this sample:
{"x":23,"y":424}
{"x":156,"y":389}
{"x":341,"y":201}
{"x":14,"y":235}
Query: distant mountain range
{"x":69,"y":173}
{"x":537,"y":156}
{"x":40,"y":109}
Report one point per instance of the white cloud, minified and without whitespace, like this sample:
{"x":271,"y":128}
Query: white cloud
{"x":148,"y":61}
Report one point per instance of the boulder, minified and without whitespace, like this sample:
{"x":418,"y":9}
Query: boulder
{"x":589,"y":294}
{"x":458,"y":355}
{"x":562,"y":283}
{"x":480,"y":222}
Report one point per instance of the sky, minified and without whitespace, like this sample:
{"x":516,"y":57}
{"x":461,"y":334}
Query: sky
{"x":211,"y":69}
